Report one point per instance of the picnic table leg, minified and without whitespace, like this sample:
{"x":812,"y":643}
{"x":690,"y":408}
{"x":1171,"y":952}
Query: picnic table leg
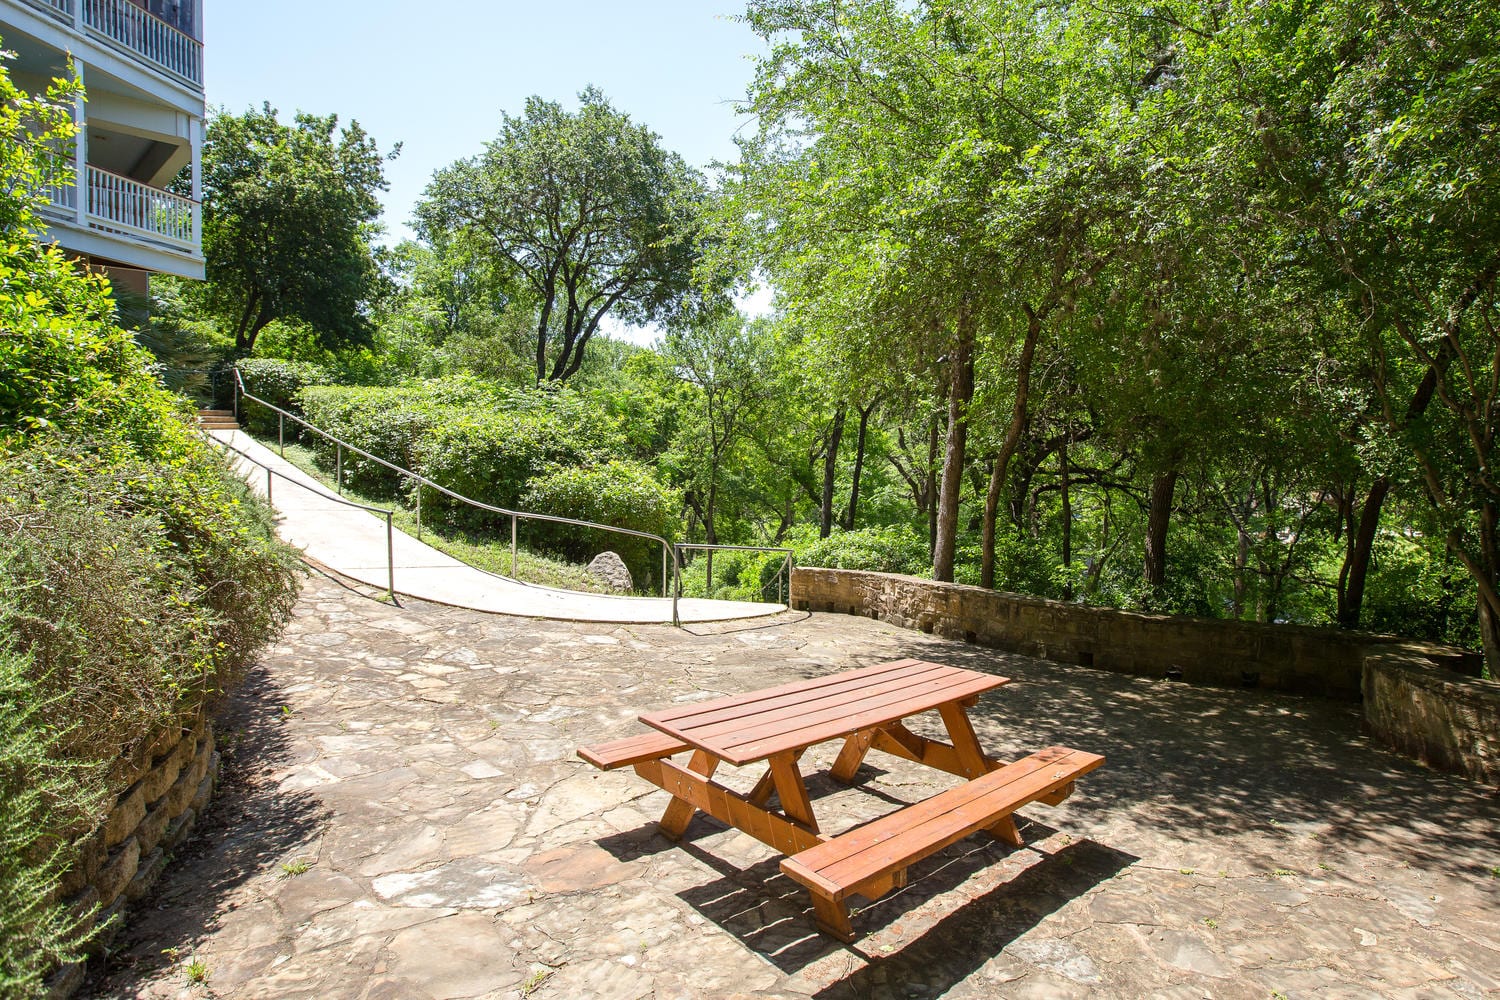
{"x":766,"y":786}
{"x":674,"y":822}
{"x":855,"y":747}
{"x":791,"y":791}
{"x":965,"y":743}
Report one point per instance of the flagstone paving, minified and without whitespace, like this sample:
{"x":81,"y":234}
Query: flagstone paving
{"x":402,"y":817}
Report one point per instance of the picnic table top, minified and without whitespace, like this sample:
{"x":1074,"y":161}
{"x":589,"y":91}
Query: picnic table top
{"x":742,"y":729}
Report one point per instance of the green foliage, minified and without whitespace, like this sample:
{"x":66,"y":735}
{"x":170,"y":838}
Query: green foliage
{"x":893,"y":549}
{"x":36,"y":143}
{"x":582,"y":214}
{"x":289,"y":215}
{"x":138,"y":574}
{"x":493,"y":455}
{"x":45,"y":799}
{"x":279,"y":383}
{"x":619,"y":494}
{"x":737,"y":576}
{"x":65,"y":364}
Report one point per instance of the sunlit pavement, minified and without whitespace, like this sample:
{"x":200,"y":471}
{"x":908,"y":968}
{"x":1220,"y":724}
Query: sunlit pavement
{"x":403,"y":817}
{"x":353,"y":542}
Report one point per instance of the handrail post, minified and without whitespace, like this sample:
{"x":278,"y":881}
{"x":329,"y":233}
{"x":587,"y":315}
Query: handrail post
{"x":268,"y":486}
{"x":281,"y":432}
{"x":664,"y":569}
{"x":677,"y":585}
{"x":513,"y":547}
{"x":338,"y":468}
{"x":390,"y":554}
{"x":419,"y":510}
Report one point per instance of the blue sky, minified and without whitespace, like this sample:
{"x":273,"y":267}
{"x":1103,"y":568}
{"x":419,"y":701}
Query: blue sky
{"x":435,"y":76}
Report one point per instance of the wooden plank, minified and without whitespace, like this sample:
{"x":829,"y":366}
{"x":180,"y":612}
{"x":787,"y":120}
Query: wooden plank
{"x":722,"y":804}
{"x":852,"y":755}
{"x":864,"y":857}
{"x":831,"y":725}
{"x":674,"y":822}
{"x":894,"y":738}
{"x":622,"y":753}
{"x":792,"y":693}
{"x":887,"y":691}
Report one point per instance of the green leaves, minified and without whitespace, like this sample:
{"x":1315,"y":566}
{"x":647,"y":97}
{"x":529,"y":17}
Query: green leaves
{"x":584,"y":213}
{"x":288,"y":218}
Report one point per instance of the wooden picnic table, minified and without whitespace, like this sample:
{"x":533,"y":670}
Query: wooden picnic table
{"x":867,"y":709}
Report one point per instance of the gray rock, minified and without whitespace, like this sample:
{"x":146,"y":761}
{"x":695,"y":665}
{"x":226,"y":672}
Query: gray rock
{"x":611,"y":569}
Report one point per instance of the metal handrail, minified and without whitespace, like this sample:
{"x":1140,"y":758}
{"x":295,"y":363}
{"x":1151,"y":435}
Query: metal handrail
{"x":782,"y":574}
{"x":390,"y":531}
{"x":667,"y":555}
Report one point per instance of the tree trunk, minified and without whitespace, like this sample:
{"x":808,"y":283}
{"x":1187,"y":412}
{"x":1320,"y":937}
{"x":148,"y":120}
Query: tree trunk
{"x":1007,"y":448}
{"x":960,"y":393}
{"x":1158,"y":519}
{"x":1067,"y":520}
{"x":859,"y":464}
{"x":830,"y":470}
{"x":1351,"y":595}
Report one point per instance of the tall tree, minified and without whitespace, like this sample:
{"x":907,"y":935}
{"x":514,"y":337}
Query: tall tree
{"x":289,"y":213}
{"x":586,"y":212}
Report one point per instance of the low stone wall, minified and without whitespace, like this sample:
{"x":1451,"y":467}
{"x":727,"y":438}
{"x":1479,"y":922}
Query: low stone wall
{"x":1448,"y":721}
{"x":164,"y":786}
{"x":1298,"y":659}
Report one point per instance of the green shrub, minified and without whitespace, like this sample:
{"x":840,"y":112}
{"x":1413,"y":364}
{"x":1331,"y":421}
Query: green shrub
{"x":895,"y":549}
{"x":46,"y":801}
{"x":737,"y":576}
{"x":138,"y":575}
{"x":620,"y":494}
{"x":279,"y":383}
{"x":388,"y":421}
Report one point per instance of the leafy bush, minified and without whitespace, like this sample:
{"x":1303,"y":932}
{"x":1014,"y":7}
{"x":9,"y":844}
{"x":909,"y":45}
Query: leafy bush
{"x":387,"y":421}
{"x":492,"y":456}
{"x":737,"y":576}
{"x":137,"y":577}
{"x":45,"y":800}
{"x":895,"y":549}
{"x":279,"y":383}
{"x":620,"y":494}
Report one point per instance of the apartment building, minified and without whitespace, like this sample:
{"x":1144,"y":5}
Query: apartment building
{"x":142,"y":67}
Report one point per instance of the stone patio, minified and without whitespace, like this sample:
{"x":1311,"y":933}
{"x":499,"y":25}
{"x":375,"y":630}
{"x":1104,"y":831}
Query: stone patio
{"x":402,"y":817}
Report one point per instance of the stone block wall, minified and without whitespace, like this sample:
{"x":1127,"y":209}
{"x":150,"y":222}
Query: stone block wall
{"x":163,"y":786}
{"x":1298,"y":659}
{"x":1446,"y":720}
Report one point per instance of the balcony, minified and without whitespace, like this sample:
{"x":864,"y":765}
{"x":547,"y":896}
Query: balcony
{"x":158,"y":39}
{"x":126,"y":207}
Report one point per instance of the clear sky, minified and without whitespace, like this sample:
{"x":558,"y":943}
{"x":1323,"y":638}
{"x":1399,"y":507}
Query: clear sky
{"x":435,"y":76}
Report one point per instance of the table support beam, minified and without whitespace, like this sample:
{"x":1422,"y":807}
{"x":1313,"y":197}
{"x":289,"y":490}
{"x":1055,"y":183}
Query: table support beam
{"x":894,"y":738}
{"x":696,"y":792}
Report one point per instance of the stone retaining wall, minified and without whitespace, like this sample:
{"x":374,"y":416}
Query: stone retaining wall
{"x":1450,"y":722}
{"x":164,"y":786}
{"x":1291,"y":658}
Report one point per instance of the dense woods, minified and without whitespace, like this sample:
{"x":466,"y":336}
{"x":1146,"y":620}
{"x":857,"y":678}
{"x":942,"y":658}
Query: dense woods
{"x":1184,"y":308}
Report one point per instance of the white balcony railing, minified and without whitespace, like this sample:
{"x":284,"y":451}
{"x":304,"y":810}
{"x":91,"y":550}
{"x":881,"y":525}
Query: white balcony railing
{"x":127,"y":206}
{"x":59,"y":8}
{"x":145,"y":34}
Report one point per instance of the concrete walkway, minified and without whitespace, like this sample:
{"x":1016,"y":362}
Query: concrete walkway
{"x":402,"y":818}
{"x":353,"y":542}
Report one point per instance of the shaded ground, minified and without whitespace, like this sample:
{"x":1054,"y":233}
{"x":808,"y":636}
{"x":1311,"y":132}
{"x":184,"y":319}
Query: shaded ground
{"x":403,"y":817}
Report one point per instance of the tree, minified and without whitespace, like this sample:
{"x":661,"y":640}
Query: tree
{"x":289,"y":213}
{"x":586,"y":213}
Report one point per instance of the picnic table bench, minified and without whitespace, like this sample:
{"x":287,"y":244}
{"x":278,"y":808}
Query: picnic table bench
{"x":866,"y":708}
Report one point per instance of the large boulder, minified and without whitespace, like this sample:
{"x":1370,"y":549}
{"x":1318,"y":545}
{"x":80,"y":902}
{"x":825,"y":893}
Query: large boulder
{"x":609,"y":568}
